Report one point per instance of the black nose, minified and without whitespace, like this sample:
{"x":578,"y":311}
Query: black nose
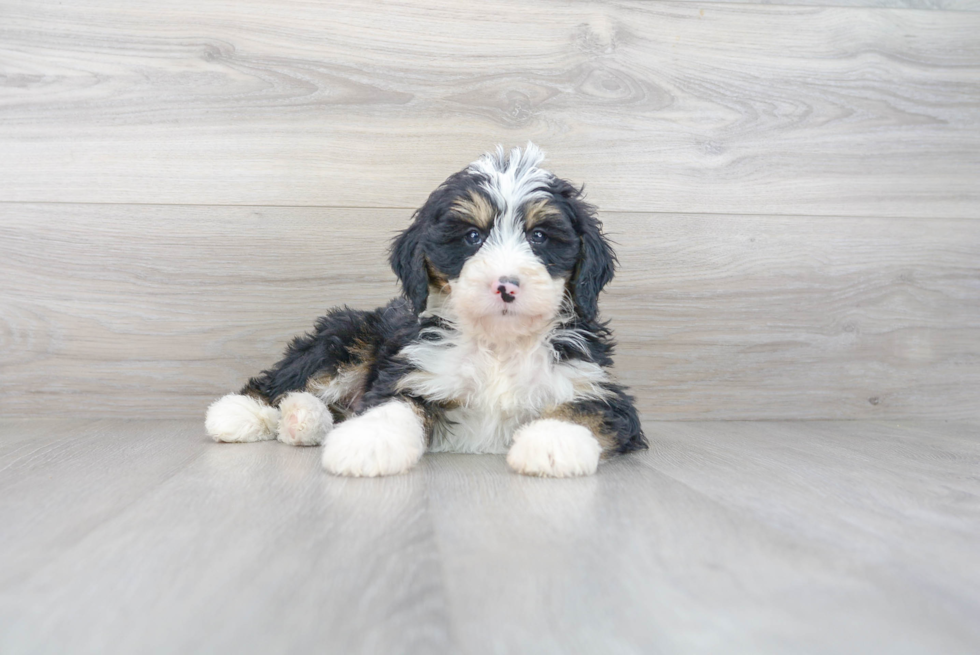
{"x":506,"y":297}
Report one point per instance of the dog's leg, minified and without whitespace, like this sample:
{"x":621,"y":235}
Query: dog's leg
{"x":241,"y":418}
{"x":568,"y":440}
{"x":310,"y":362}
{"x":332,"y":362}
{"x":385,"y":440}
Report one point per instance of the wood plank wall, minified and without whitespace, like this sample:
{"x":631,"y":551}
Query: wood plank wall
{"x":794,"y":188}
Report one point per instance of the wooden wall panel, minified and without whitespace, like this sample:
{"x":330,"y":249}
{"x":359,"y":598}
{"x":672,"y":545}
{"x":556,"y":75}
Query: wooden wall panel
{"x":152,"y":311}
{"x":942,"y":5}
{"x":658,"y":106}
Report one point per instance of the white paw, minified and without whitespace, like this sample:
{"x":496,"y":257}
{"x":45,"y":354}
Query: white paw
{"x":385,"y":440}
{"x":241,"y":418}
{"x":554,"y":449}
{"x":304,"y":419}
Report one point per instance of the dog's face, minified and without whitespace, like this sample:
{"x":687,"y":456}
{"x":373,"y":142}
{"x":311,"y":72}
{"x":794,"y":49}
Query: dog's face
{"x":504,"y":243}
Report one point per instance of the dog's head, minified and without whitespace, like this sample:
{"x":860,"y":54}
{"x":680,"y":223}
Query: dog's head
{"x":504,"y":243}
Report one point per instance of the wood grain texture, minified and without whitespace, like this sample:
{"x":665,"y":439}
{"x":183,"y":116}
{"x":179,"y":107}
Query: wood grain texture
{"x":725,"y":537}
{"x":154,"y":311}
{"x":942,"y":5}
{"x":148,"y":538}
{"x":658,"y":106}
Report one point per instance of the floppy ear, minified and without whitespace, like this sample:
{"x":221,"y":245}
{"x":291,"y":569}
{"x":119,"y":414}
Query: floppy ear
{"x":407,"y":256}
{"x":596,"y":260}
{"x":408,"y":262}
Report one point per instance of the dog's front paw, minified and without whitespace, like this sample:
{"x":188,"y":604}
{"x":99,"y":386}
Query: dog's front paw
{"x":385,"y":440}
{"x":303,"y":419}
{"x":554,"y":449}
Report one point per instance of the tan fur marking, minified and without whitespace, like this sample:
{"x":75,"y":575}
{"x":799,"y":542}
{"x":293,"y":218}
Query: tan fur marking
{"x":351,"y":380}
{"x":591,"y":421}
{"x":428,"y":422}
{"x":437,"y":279}
{"x":362,"y":352}
{"x":318,"y":381}
{"x":475,"y":208}
{"x":538,"y":211}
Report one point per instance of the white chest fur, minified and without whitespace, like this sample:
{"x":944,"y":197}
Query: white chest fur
{"x":493,"y":389}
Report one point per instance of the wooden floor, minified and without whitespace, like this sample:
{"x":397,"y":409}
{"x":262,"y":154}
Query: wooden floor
{"x":804,"y":537}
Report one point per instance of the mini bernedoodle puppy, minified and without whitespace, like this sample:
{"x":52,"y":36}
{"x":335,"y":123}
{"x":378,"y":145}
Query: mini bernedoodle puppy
{"x":496,"y":347}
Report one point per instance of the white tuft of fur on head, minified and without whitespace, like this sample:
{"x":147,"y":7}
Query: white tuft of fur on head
{"x":237,"y":418}
{"x":385,"y":440}
{"x":513,"y":180}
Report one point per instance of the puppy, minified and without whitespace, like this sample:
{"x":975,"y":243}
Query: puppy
{"x":496,"y":346}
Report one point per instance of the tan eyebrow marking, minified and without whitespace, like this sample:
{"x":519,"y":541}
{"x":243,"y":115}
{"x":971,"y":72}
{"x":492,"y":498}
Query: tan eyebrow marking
{"x":539,"y":211}
{"x":476,"y":208}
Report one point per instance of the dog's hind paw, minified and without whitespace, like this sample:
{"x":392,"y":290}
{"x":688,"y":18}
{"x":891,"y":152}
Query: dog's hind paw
{"x":304,"y":420}
{"x":240,"y":418}
{"x":386,"y":440}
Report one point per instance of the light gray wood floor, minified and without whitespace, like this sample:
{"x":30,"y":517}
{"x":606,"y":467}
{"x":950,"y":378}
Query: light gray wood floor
{"x":142,"y":536}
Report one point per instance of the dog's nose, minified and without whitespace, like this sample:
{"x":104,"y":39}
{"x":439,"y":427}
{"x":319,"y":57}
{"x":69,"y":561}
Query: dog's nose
{"x":507,"y":287}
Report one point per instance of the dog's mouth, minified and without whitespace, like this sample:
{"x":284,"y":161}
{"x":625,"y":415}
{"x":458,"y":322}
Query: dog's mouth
{"x":512,"y":314}
{"x":511,"y":311}
{"x":504,"y":323}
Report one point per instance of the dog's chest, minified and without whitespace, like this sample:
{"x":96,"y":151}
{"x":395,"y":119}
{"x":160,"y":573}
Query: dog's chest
{"x":489,"y":393}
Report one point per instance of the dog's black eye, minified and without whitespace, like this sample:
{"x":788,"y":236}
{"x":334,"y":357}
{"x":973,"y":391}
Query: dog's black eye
{"x":538,"y":236}
{"x":473,"y":237}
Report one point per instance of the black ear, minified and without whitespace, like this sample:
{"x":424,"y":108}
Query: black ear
{"x":407,"y":257}
{"x":408,"y":262}
{"x":596,"y":262}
